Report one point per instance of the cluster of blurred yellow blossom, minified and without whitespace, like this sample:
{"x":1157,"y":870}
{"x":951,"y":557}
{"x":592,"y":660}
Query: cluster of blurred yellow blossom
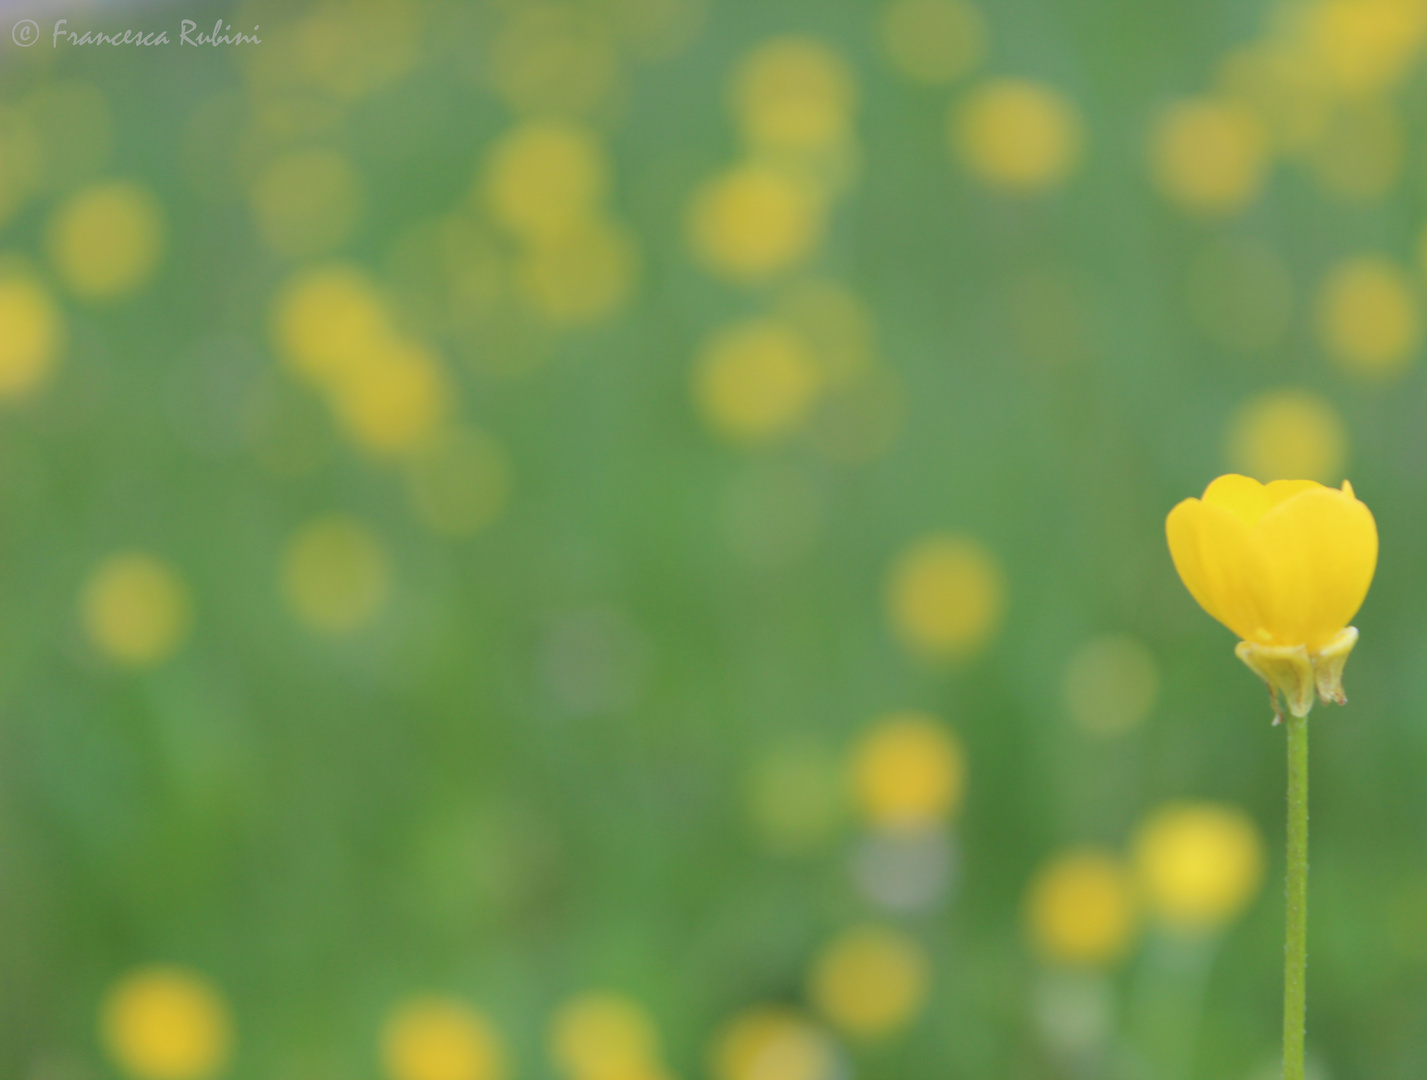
{"x":1199,"y":865}
{"x":870,"y":981}
{"x":1317,"y":86}
{"x":392,"y":396}
{"x":773,"y":1042}
{"x":335,"y":575}
{"x":1111,"y":684}
{"x":794,"y":103}
{"x":601,"y":1035}
{"x":135,"y":609}
{"x":547,"y":184}
{"x":1370,"y":316}
{"x":31,"y":333}
{"x":933,"y":41}
{"x":1286,"y":434}
{"x":946,"y":596}
{"x":441,"y":1038}
{"x":1017,"y":135}
{"x":908,"y":770}
{"x":107,"y":240}
{"x":167,"y":1023}
{"x":1081,"y":908}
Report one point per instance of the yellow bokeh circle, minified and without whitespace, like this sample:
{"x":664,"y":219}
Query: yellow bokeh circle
{"x":755,"y":380}
{"x":166,"y":1023}
{"x":1199,"y":864}
{"x":543,"y":178}
{"x":870,"y":981}
{"x":335,"y":575}
{"x":1081,"y":908}
{"x":394,"y":400}
{"x":1288,"y":435}
{"x":107,"y":240}
{"x":604,"y":1036}
{"x":1209,"y":156}
{"x":31,"y":335}
{"x":582,"y":275}
{"x":1018,"y":135}
{"x":329,"y":320}
{"x":1369,"y":316}
{"x":136,"y":609}
{"x":909,"y":770}
{"x":946,"y":596}
{"x":794,"y":93}
{"x":441,"y":1039}
{"x":755,"y":221}
{"x":773,"y":1043}
{"x":933,"y":41}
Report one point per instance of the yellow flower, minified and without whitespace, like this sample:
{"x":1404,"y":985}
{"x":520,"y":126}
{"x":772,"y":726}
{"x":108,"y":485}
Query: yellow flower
{"x":1285,"y":566}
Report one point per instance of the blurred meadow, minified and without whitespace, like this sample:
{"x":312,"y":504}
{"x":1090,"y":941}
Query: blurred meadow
{"x":623,"y":539}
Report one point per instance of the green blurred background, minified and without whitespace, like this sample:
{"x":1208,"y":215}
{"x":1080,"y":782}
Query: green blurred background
{"x":623,"y":539}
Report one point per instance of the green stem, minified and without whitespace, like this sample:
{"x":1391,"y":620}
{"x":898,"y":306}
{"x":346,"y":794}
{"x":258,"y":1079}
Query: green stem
{"x":1295,"y":958}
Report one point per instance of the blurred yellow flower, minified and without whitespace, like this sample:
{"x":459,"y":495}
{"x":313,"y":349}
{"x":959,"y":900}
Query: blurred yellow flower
{"x":328,"y":320}
{"x":307,"y":202}
{"x":1199,"y":864}
{"x":755,"y":380}
{"x":933,"y":41}
{"x":1285,"y":566}
{"x":31,"y":335}
{"x":394,"y":400}
{"x":542,"y":179}
{"x":1209,"y":156}
{"x":755,"y":221}
{"x":604,"y":1036}
{"x":136,"y":610}
{"x":1111,"y":684}
{"x":946,"y":596}
{"x":107,"y":240}
{"x":794,"y":93}
{"x":773,"y":1043}
{"x":1364,"y":46}
{"x":582,"y":275}
{"x":459,"y":481}
{"x":166,"y":1023}
{"x":441,"y":1039}
{"x":335,"y":575}
{"x":1081,"y":908}
{"x":1369,"y":316}
{"x":1017,"y":134}
{"x":1288,"y":433}
{"x":870,"y":981}
{"x":908,"y":770}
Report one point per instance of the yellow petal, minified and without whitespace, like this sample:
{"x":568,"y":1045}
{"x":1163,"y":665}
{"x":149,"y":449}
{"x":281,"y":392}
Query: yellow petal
{"x":1249,"y":500}
{"x":1215,"y":554}
{"x":1321,"y":550}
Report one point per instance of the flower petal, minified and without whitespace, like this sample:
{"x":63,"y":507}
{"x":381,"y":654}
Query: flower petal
{"x":1248,"y":500}
{"x":1321,"y":550}
{"x":1214,"y":552}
